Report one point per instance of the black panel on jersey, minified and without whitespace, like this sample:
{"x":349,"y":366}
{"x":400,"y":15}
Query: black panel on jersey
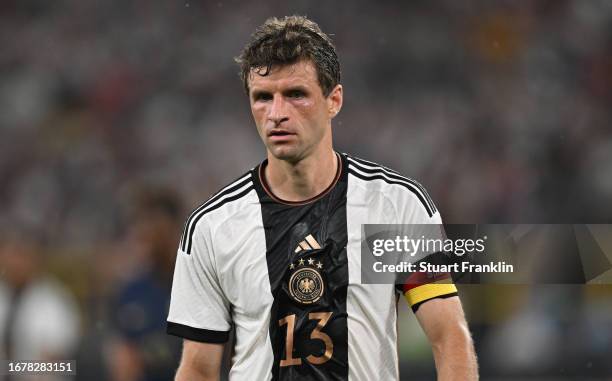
{"x":318,"y":228}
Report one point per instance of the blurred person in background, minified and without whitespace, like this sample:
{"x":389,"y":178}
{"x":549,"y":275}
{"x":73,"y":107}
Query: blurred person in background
{"x":140,"y":350}
{"x":39,"y":319}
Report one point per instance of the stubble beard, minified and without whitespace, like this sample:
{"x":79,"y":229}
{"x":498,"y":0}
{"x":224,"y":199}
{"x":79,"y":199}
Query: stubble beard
{"x":291,"y":155}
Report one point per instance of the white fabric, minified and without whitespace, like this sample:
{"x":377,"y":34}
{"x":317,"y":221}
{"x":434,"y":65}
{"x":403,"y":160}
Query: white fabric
{"x":372,"y":310}
{"x":225,"y":280}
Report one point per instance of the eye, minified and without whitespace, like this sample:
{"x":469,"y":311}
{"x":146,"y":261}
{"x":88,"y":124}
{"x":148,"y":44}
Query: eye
{"x":296,"y":94}
{"x":262,"y":97}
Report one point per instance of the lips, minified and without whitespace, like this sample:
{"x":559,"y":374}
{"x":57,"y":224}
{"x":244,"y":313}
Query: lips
{"x":279,"y":133}
{"x":280,"y":136}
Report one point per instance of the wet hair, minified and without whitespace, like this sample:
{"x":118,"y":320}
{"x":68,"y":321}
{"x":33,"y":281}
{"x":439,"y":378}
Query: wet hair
{"x":279,"y":42}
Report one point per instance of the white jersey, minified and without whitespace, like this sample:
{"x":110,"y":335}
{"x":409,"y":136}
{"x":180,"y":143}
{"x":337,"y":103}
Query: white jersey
{"x":285,"y":276}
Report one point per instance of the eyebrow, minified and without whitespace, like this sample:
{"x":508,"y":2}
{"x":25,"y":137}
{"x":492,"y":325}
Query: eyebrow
{"x":296,"y":88}
{"x":257,"y":93}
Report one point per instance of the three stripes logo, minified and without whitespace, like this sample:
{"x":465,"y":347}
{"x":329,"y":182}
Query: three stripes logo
{"x":306,"y":284}
{"x":309,"y":243}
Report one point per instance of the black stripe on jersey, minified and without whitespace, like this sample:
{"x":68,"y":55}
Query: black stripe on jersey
{"x":376,"y":175}
{"x":416,"y":306}
{"x":236,"y":184}
{"x":396,"y":175}
{"x":371,"y":164}
{"x":227,"y":196}
{"x":393,"y":174}
{"x":197,"y":334}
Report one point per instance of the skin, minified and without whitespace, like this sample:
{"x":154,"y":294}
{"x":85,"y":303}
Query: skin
{"x":200,"y":362}
{"x":444,"y":324}
{"x":293,"y":119}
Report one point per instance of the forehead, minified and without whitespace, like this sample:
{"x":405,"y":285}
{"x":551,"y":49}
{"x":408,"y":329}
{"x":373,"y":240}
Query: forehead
{"x":301,"y":73}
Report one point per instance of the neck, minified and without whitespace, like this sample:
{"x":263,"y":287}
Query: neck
{"x":304,"y":179}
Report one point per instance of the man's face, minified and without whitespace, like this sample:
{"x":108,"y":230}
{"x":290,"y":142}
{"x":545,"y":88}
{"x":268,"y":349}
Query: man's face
{"x":292,"y":115}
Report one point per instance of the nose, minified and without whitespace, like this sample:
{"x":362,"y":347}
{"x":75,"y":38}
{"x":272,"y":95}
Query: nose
{"x":277,"y":112}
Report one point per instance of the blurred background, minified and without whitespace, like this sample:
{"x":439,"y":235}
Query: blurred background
{"x":118,"y":117}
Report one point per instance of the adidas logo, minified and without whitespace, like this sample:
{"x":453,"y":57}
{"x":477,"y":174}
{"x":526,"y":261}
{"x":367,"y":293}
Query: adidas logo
{"x":309,"y":243}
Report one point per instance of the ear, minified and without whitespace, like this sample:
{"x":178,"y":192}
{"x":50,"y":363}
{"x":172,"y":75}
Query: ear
{"x":334,"y":101}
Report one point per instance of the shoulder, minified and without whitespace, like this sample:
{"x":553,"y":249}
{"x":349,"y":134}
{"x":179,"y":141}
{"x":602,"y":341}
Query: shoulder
{"x":220,"y":203}
{"x":389,"y":181}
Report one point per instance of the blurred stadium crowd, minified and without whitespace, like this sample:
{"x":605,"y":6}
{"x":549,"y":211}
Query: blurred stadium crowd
{"x":118,"y":117}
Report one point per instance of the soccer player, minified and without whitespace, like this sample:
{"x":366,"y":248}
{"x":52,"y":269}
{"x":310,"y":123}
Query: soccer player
{"x":275,"y":255}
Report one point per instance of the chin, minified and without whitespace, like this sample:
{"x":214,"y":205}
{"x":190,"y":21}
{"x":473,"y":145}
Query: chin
{"x":291,"y":154}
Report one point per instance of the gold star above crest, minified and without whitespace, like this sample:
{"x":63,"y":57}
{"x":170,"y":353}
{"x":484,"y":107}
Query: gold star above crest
{"x":301,"y":261}
{"x":291,"y":266}
{"x":319,"y":265}
{"x":311,"y":261}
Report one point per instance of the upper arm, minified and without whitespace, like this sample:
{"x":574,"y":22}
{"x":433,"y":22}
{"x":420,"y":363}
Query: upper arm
{"x":419,"y":286}
{"x":200,"y":361}
{"x":442,"y":317}
{"x":199,"y":309}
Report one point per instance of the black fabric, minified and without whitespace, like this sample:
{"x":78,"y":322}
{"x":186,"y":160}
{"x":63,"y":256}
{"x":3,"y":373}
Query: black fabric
{"x":197,"y":334}
{"x":285,"y":227}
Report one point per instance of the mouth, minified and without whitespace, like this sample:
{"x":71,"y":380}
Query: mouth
{"x":279,"y":134}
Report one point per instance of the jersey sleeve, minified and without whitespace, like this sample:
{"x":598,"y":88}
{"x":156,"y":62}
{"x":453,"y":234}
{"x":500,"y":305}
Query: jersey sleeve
{"x":420,"y":287}
{"x":199,"y":310}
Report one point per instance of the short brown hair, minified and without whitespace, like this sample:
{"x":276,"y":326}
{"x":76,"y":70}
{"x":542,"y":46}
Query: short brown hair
{"x":286,"y":41}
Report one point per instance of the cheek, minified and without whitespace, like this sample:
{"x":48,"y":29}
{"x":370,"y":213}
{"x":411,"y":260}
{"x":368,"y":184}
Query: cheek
{"x":259,"y":113}
{"x":308,"y":111}
{"x":257,"y":110}
{"x":316,"y":115}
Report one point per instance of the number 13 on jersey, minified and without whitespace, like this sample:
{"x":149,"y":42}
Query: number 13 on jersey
{"x":323,"y":318}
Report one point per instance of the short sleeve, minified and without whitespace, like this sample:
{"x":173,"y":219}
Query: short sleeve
{"x":199,"y":310}
{"x":420,"y":287}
